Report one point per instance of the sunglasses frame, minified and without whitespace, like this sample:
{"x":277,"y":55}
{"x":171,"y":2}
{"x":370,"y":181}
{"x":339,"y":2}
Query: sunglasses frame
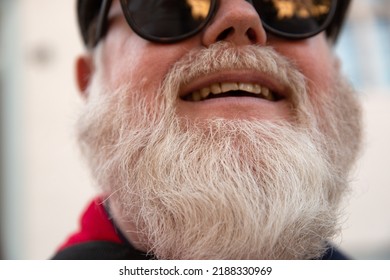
{"x":98,"y":13}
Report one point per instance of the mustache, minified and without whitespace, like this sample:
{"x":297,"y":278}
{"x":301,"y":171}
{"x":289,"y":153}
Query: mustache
{"x":225,"y":56}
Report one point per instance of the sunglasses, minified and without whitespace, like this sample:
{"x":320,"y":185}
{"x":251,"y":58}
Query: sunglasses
{"x":169,"y":21}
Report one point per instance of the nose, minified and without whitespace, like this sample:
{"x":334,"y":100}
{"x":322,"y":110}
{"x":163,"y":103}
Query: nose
{"x":237,"y":22}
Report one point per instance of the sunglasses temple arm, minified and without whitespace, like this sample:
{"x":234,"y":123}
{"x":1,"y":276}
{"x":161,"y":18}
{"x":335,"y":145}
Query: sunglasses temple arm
{"x":101,"y":21}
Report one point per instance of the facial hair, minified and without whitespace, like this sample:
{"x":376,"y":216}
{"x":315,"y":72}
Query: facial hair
{"x":224,"y":189}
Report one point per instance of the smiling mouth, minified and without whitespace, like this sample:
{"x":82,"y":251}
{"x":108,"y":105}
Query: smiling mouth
{"x":222,"y":90}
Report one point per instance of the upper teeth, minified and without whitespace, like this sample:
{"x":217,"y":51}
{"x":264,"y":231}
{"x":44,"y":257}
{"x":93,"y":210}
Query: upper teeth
{"x":217,"y":88}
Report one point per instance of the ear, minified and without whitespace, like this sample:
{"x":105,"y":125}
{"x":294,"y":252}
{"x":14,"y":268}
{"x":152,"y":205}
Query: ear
{"x":84,"y":72}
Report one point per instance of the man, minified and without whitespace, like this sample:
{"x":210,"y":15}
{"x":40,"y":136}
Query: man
{"x":219,"y":130}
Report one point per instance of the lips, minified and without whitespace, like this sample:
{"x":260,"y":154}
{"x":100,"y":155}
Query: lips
{"x":211,"y":88}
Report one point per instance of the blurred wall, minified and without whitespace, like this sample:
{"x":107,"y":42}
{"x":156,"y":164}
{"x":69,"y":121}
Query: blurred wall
{"x":1,"y":142}
{"x":45,"y":184}
{"x":365,"y":50}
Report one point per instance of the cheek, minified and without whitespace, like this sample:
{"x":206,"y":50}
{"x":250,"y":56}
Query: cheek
{"x":315,"y":59}
{"x":319,"y":71}
{"x":137,"y":61}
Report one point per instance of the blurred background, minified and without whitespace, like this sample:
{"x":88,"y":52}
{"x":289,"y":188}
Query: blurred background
{"x":43,"y":183}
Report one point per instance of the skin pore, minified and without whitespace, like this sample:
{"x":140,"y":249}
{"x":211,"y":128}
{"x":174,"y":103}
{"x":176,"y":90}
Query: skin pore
{"x":238,"y":177}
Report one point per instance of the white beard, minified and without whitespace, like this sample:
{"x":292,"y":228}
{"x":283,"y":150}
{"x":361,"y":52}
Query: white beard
{"x":223,"y":189}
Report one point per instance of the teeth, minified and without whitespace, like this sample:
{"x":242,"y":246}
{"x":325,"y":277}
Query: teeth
{"x":266,"y":92}
{"x":257,"y":89}
{"x":196,"y":96}
{"x":253,"y":88}
{"x":218,"y":88}
{"x":229,"y":87}
{"x":204,"y":92}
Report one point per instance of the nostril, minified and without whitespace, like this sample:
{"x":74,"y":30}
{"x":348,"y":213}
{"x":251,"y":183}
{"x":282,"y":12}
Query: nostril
{"x":251,"y":34}
{"x":224,"y":34}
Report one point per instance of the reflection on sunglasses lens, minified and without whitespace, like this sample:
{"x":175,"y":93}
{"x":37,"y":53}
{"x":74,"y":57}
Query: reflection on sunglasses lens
{"x":168,"y":18}
{"x":294,"y":16}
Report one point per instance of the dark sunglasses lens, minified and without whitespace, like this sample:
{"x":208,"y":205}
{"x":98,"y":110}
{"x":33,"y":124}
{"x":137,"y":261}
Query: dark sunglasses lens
{"x":167,"y":19}
{"x":295,"y":18}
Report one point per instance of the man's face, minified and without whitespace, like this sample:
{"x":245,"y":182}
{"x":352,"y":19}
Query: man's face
{"x":231,"y":144}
